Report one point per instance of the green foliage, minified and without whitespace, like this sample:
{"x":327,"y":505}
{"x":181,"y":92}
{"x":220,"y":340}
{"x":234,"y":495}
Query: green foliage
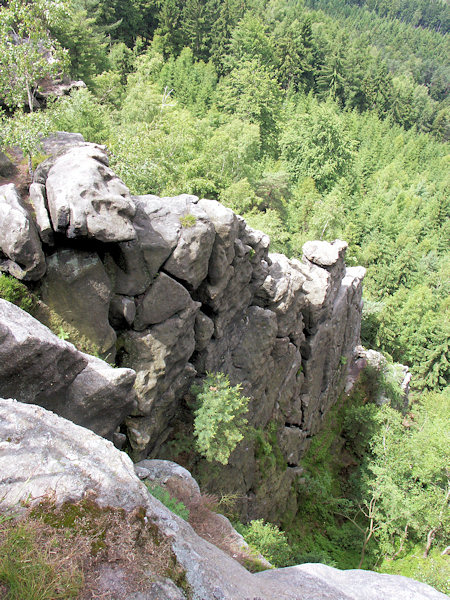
{"x":17,"y":293}
{"x":433,"y":570}
{"x":316,"y":144}
{"x":24,"y":42}
{"x":172,"y":504}
{"x":26,"y":131}
{"x":188,"y":220}
{"x":81,"y":113}
{"x":268,"y":540}
{"x":219,"y":419}
{"x":267,"y":450}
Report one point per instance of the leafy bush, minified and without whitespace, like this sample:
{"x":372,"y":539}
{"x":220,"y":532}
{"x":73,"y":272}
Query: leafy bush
{"x":172,"y":503}
{"x":219,"y":420}
{"x":268,"y":540}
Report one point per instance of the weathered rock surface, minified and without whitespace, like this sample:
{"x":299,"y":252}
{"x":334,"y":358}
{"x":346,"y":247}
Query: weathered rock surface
{"x":163,"y":299}
{"x":367,"y":585}
{"x":41,"y":453}
{"x":20,"y":248}
{"x":86,"y":199}
{"x":39,"y":203}
{"x":38,"y":367}
{"x":77,"y":287}
{"x":33,"y":361}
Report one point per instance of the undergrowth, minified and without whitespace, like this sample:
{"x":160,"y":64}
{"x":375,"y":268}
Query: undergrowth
{"x":53,"y":553}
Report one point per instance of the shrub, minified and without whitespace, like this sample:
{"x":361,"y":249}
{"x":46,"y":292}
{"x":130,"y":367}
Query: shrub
{"x":268,"y":540}
{"x":219,"y":419}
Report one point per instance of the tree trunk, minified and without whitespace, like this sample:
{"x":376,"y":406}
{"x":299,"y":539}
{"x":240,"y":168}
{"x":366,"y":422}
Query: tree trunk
{"x":430,"y":539}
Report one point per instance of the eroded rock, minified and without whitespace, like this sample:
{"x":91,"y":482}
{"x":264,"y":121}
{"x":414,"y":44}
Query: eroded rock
{"x":86,"y":199}
{"x":21,"y":253}
{"x":77,"y":287}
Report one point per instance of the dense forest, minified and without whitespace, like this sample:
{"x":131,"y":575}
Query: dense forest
{"x":314,"y":119}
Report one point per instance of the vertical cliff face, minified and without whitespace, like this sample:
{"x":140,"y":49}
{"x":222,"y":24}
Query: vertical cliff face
{"x":180,"y":287}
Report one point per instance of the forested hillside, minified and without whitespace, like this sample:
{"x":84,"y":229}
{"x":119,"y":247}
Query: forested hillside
{"x":315,"y":119}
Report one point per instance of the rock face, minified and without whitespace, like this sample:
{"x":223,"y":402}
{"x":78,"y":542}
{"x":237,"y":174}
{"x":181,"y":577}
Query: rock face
{"x":21,"y":254}
{"x":38,"y":367}
{"x":56,"y":457}
{"x":187,"y":287}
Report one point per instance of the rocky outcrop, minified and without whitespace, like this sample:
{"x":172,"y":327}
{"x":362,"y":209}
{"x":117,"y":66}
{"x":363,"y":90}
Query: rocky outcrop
{"x":187,"y":287}
{"x":43,"y":455}
{"x":38,"y":367}
{"x":20,"y":248}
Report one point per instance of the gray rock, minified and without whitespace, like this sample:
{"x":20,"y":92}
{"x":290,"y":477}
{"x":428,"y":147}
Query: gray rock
{"x":122,"y":311}
{"x":38,"y":367}
{"x":34,"y":363}
{"x":38,"y":201}
{"x":204,"y":328}
{"x":86,"y":199}
{"x":6,"y":166}
{"x":367,"y":585}
{"x":60,"y":141}
{"x":99,"y":398}
{"x":162,"y":471}
{"x":165,"y":298}
{"x":282,"y":292}
{"x":189,"y":261}
{"x":19,"y":239}
{"x":77,"y":288}
{"x":76,"y":463}
{"x":325,"y":254}
{"x":158,"y":588}
{"x":226,"y":226}
{"x":127,"y":269}
{"x":41,"y":453}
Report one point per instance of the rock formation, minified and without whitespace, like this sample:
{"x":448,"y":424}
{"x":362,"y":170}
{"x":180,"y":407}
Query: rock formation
{"x":43,"y":455}
{"x":180,"y":287}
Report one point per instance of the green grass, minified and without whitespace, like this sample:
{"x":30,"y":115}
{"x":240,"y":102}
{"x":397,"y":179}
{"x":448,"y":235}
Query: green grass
{"x":31,"y":569}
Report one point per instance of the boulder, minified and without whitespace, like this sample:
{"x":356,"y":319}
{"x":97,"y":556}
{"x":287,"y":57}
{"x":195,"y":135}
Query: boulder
{"x":189,"y":260}
{"x":162,"y":472}
{"x":38,"y":367}
{"x":367,"y":585}
{"x":86,"y":199}
{"x":165,"y":298}
{"x":20,"y":247}
{"x":34,"y":363}
{"x":60,"y":141}
{"x":76,"y":462}
{"x":99,"y":398}
{"x":77,"y":287}
{"x":38,"y":201}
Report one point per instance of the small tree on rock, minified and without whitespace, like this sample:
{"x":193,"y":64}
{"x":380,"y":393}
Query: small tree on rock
{"x":219,"y":419}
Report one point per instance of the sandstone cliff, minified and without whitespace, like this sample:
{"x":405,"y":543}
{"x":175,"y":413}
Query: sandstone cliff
{"x":172,"y":288}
